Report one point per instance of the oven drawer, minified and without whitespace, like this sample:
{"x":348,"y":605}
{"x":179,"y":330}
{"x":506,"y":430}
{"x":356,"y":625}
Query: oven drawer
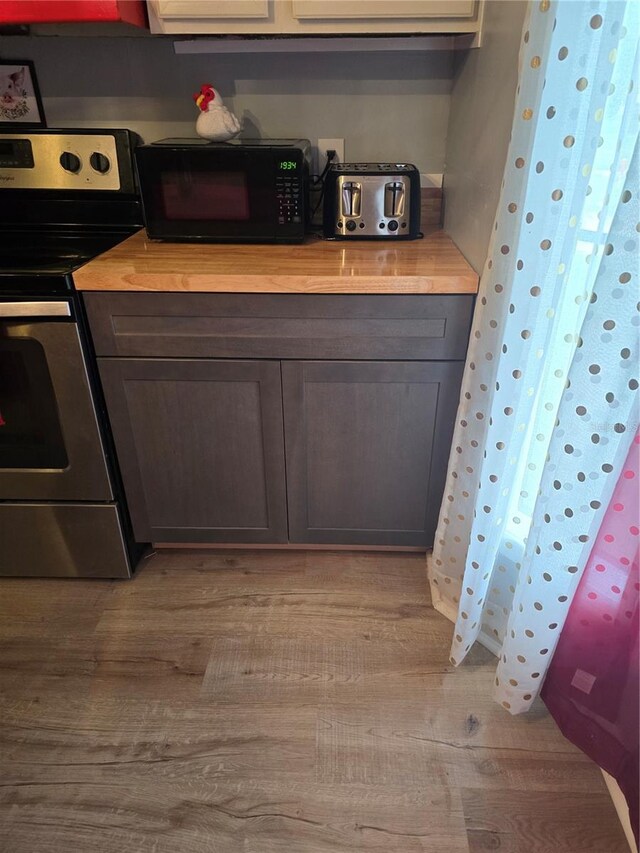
{"x":280,"y":326}
{"x":62,"y":540}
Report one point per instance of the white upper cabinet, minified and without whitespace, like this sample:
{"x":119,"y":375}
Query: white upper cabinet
{"x":313,"y":17}
{"x":388,"y":9}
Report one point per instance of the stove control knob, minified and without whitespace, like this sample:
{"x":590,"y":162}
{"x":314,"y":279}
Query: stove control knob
{"x":100,"y":163}
{"x":70,"y":162}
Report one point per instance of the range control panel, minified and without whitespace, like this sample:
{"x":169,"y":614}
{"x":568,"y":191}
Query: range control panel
{"x":59,"y":161}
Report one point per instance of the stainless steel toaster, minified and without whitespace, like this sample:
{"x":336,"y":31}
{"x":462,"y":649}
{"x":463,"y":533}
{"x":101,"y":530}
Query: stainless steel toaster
{"x":372,"y":201}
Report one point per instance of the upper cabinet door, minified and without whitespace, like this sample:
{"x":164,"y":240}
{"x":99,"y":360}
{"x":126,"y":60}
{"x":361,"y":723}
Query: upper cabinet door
{"x":213,"y":9}
{"x":398,"y":9}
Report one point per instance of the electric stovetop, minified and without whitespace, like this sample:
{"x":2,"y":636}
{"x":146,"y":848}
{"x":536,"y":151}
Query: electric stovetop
{"x":40,"y":262}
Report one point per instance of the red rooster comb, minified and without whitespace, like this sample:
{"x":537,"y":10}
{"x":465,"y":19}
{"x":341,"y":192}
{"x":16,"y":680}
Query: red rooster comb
{"x":204,"y":97}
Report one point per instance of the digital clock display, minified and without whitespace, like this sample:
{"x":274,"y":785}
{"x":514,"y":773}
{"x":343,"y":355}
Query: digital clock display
{"x":287,"y":165}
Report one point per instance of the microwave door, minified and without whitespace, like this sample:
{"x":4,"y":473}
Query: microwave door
{"x":207,"y":195}
{"x":213,"y":196}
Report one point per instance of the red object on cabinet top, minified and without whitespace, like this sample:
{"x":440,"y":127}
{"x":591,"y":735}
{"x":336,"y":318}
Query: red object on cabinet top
{"x":66,"y":11}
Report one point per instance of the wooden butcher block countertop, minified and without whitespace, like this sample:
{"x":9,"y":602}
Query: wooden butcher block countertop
{"x":431,"y":265}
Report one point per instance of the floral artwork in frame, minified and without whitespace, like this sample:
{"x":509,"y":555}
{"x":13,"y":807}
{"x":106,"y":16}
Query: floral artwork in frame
{"x":20,"y":102}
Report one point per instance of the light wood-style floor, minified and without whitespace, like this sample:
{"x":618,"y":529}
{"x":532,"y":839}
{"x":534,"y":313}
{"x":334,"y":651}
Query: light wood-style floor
{"x":254,"y":702}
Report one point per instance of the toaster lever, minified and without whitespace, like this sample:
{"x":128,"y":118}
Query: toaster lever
{"x":394,"y":198}
{"x":351,"y":196}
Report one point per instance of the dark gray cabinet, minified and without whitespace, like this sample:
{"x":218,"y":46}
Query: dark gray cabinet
{"x":207,"y":392}
{"x":366,"y":449}
{"x":200,"y":446}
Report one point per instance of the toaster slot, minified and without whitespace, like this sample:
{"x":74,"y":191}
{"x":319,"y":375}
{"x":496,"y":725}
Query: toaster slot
{"x":394,"y":196}
{"x":351,"y":198}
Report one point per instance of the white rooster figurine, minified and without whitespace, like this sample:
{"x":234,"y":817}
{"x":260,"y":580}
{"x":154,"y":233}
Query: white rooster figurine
{"x":215,"y":121}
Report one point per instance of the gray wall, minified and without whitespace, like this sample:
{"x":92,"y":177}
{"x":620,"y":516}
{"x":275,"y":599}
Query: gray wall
{"x":482,"y":104}
{"x":385,"y":105}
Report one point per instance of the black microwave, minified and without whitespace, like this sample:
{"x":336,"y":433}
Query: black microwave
{"x":242,"y":191}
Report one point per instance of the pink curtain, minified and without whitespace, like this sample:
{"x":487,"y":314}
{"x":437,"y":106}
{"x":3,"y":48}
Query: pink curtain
{"x":592,"y":685}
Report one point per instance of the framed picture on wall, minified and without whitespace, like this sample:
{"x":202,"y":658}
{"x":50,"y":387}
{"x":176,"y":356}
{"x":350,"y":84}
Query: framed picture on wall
{"x":20,"y":102}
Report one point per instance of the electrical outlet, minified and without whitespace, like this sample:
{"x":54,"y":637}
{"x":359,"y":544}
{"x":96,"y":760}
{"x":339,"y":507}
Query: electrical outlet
{"x":325,"y":145}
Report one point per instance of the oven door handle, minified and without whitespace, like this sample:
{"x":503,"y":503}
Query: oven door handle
{"x":35,"y":310}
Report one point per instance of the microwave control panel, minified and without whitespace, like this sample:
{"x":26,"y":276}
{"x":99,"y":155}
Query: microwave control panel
{"x":289,"y":195}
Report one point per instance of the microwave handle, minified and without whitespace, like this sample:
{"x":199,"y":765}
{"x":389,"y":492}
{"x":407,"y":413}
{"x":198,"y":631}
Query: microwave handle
{"x":35,"y":310}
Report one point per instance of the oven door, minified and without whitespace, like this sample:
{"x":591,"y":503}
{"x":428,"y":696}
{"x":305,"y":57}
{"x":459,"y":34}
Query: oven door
{"x":50,"y":444}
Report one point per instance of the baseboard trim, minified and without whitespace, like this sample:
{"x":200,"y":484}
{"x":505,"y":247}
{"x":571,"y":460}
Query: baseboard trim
{"x":446,"y":608}
{"x":285,"y":546}
{"x":620,"y":803}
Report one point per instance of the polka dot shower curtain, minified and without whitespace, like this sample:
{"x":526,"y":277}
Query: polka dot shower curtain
{"x":549,"y":397}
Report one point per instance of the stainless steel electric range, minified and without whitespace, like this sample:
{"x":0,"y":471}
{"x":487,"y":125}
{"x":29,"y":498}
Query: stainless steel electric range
{"x":65,"y":197}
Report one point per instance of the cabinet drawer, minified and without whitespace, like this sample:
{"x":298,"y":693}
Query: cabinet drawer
{"x":280,"y":326}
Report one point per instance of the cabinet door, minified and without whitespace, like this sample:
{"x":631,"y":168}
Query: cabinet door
{"x":213,"y":9}
{"x":200,"y":446}
{"x":398,"y":9}
{"x":367,"y":445}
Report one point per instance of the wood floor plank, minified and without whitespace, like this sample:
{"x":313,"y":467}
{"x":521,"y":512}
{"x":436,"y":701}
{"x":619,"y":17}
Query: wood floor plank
{"x":250,"y":702}
{"x":340,"y":818}
{"x":111,"y":742}
{"x":236,"y":596}
{"x":320,"y":669}
{"x":165,"y":668}
{"x":496,"y":769}
{"x":517,"y":822}
{"x":31,"y":668}
{"x":467,"y":715}
{"x":248,"y":816}
{"x":51,"y":608}
{"x":369,"y":745}
{"x":160,"y":667}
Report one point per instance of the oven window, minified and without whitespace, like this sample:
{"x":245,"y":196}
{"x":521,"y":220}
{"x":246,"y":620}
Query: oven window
{"x":30,"y":431}
{"x":205,"y":195}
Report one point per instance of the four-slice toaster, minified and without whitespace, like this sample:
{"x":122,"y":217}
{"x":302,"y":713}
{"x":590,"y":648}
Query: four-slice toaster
{"x":372,"y":201}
